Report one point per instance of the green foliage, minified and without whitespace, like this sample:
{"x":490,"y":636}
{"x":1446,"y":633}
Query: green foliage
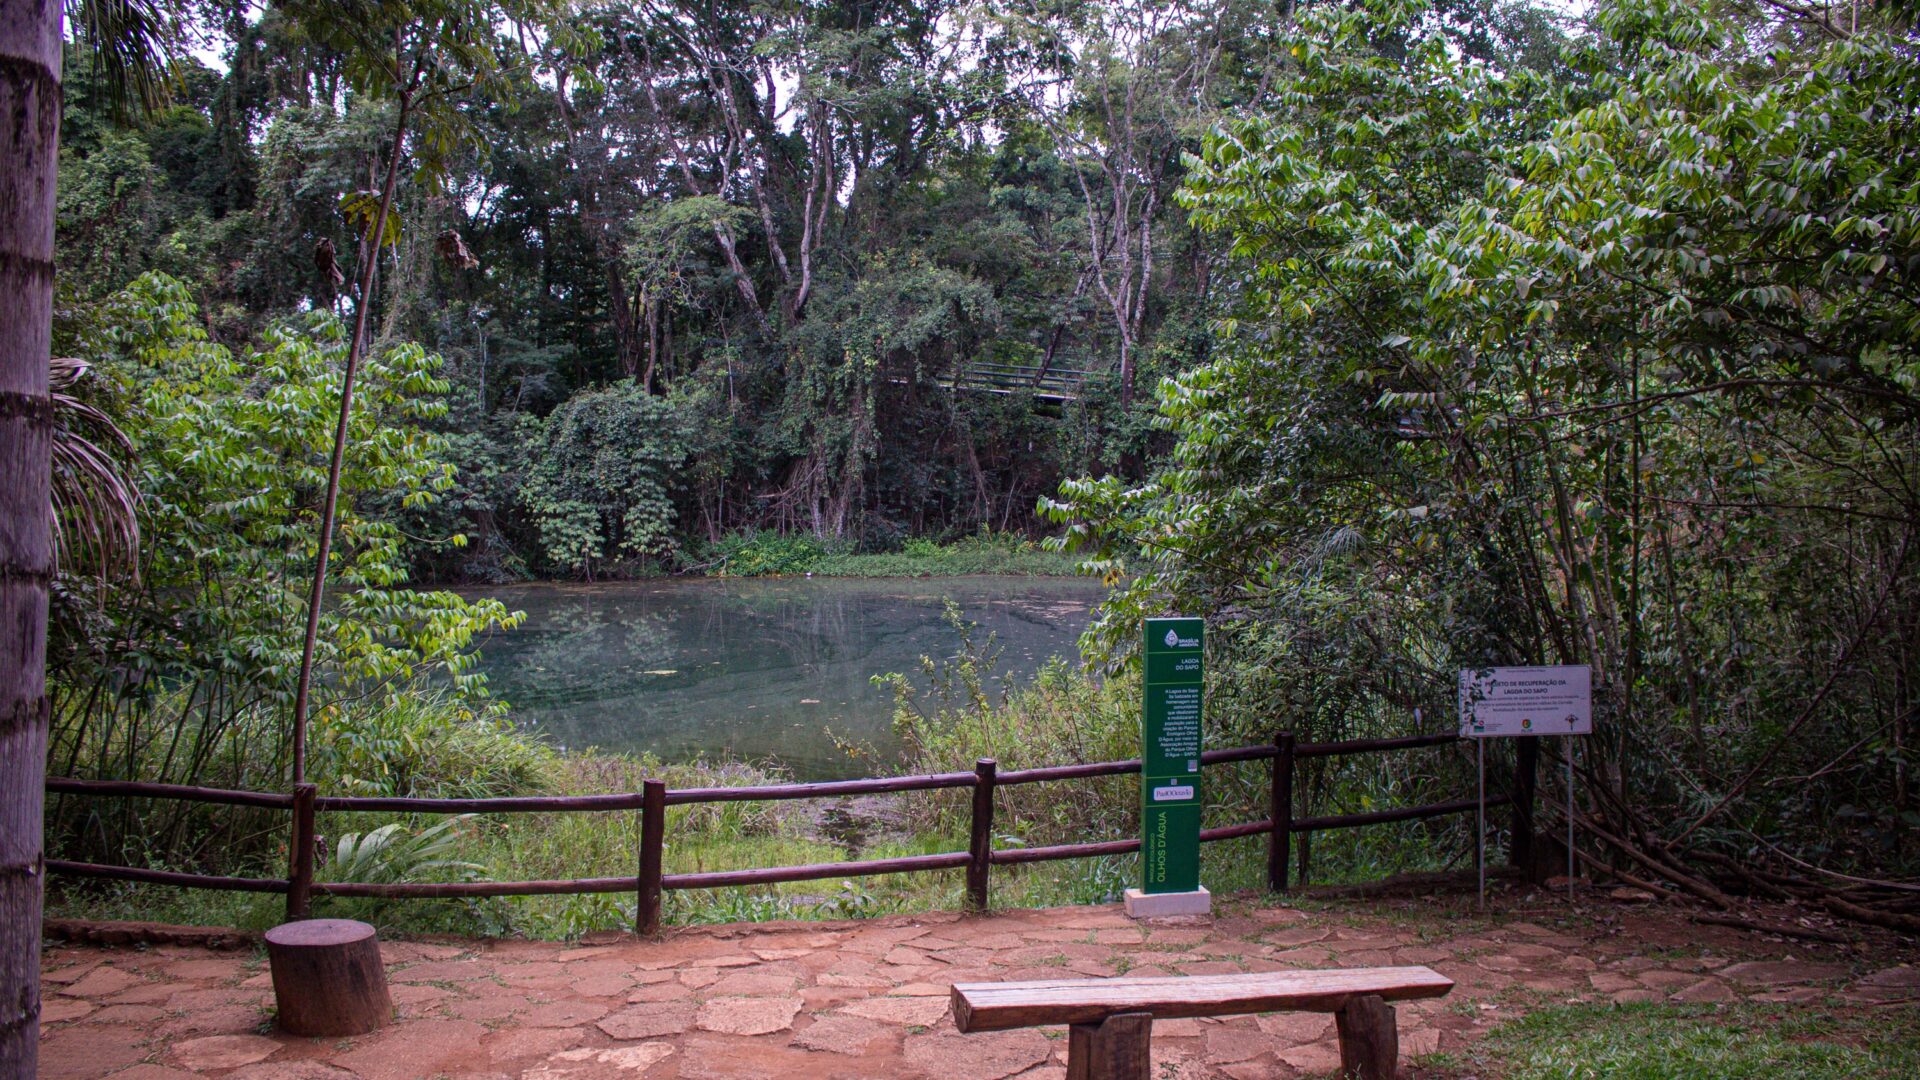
{"x":771,"y":554}
{"x":182,"y":677}
{"x":399,"y":853}
{"x":904,"y":316}
{"x":361,"y":209}
{"x":1695,"y":1042}
{"x":666,"y":244}
{"x":1589,"y":360}
{"x":95,"y":511}
{"x":813,"y":283}
{"x":766,"y":554}
{"x":129,"y":204}
{"x":393,"y":854}
{"x":432,"y":54}
{"x":424,"y":744}
{"x":603,"y":477}
{"x":130,"y":43}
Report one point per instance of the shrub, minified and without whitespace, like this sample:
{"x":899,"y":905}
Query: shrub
{"x":426,"y":744}
{"x":186,"y":676}
{"x":1063,"y":717}
{"x":760,"y":553}
{"x":603,"y":476}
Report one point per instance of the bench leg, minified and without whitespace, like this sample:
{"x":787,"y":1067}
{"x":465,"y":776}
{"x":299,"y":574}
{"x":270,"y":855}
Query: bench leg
{"x":1369,"y":1039}
{"x":1117,"y":1048}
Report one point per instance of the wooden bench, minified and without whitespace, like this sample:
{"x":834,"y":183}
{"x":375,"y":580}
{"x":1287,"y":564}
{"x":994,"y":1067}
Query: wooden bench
{"x":1111,"y":1020}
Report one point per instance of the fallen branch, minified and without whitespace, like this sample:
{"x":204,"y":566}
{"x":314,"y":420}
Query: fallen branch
{"x":1752,"y":880}
{"x":1758,"y":927}
{"x":1834,"y":900}
{"x":1695,"y":885}
{"x":1626,"y":878}
{"x":1872,"y":916}
{"x":1869,"y":883}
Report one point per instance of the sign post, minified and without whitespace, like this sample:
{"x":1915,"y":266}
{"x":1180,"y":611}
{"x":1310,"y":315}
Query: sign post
{"x":1170,"y":772}
{"x":1507,"y":702}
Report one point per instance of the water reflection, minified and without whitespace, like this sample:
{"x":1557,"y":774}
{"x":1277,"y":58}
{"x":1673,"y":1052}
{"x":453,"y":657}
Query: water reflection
{"x":756,"y":669}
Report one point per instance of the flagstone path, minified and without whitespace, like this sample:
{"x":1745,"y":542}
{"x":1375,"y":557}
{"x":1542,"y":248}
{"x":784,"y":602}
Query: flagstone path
{"x":798,"y":1001}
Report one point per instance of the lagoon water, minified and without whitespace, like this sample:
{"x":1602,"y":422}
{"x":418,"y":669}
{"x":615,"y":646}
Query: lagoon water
{"x":757,"y":669}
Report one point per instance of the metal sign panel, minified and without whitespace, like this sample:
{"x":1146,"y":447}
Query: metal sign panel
{"x":1506,"y":701}
{"x":1170,"y":756}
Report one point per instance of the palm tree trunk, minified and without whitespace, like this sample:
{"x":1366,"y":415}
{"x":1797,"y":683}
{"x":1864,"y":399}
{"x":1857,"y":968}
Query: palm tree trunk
{"x":30,"y":128}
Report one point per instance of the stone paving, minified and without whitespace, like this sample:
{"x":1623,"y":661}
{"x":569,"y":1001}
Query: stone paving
{"x":869,"y":999}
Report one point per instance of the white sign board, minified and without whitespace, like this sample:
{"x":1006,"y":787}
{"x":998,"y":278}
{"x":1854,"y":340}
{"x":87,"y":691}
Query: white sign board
{"x":1503,"y":701}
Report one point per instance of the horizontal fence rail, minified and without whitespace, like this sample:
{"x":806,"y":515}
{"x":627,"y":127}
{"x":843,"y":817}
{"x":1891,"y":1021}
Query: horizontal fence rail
{"x":878,"y":785}
{"x":168,"y":877}
{"x":517,"y":804}
{"x":448,"y":889}
{"x":62,"y":786}
{"x":650,"y":881}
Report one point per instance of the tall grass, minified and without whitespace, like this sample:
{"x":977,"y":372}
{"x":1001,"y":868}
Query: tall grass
{"x":1067,"y":715}
{"x":771,"y":554}
{"x":426,"y":744}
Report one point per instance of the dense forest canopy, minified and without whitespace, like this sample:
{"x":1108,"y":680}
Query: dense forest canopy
{"x":795,"y":225}
{"x":1605,"y":358}
{"x":1394,"y":336}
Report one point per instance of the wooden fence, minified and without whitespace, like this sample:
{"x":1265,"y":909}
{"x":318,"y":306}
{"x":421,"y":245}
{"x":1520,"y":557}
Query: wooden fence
{"x":651,"y":803}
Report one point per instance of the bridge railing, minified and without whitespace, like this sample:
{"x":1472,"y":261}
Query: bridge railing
{"x":649,"y":881}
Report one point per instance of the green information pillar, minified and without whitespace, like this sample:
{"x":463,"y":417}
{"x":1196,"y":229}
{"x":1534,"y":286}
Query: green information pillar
{"x":1170,"y":757}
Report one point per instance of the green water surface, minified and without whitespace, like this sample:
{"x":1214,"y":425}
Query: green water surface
{"x":756,"y":669}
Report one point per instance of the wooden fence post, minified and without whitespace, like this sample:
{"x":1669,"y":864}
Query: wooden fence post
{"x":980,"y":844}
{"x":1281,"y":812}
{"x":653,"y":837}
{"x":1526,"y":767}
{"x":300,"y":853}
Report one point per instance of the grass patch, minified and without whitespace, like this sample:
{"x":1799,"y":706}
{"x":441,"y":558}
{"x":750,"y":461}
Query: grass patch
{"x":950,"y":561}
{"x":768,"y":554}
{"x":1650,"y":1041}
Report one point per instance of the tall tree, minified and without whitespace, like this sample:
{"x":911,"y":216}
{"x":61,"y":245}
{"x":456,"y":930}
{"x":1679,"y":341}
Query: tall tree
{"x":1124,"y":90}
{"x":30,"y":124}
{"x":422,"y":58}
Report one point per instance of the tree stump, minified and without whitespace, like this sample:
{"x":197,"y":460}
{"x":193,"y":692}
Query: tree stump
{"x":1369,"y":1039}
{"x":327,"y":977}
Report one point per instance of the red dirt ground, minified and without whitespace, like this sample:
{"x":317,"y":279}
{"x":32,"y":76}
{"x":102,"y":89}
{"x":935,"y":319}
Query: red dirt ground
{"x":798,"y":1001}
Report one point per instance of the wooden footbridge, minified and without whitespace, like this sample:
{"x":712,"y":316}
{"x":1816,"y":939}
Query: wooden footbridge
{"x":1044,"y":382}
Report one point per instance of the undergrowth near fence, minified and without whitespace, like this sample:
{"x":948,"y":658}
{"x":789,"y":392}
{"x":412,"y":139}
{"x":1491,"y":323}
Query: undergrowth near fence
{"x":957,"y":711}
{"x":948,"y":718}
